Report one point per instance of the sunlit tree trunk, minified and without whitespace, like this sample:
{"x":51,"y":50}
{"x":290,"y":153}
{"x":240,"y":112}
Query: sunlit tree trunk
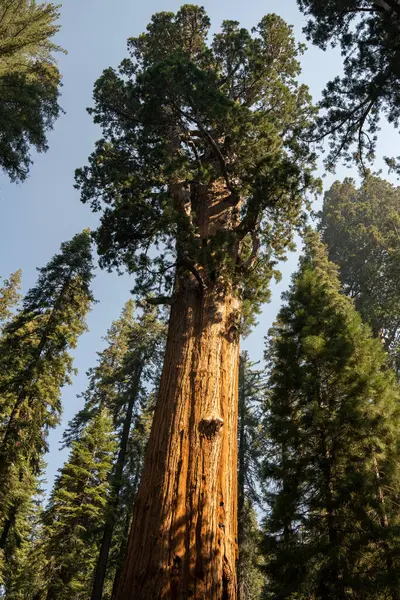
{"x":183,"y":540}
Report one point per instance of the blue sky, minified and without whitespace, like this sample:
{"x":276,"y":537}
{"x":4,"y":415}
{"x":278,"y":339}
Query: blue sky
{"x":44,"y":211}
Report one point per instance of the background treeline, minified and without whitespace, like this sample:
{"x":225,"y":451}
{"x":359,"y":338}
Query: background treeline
{"x":319,"y":425}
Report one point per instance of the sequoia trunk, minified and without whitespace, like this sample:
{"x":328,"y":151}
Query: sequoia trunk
{"x":183,"y":540}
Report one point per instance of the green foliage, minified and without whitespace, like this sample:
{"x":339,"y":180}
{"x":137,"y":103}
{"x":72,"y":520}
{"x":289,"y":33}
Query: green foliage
{"x":367,"y":33}
{"x":251,"y":392}
{"x":361,"y":228}
{"x":9,"y":295}
{"x":188,"y":124}
{"x":119,"y":383}
{"x":35,"y":364}
{"x":251,"y":580}
{"x":29,"y":81}
{"x":76,"y":512}
{"x":332,"y":434}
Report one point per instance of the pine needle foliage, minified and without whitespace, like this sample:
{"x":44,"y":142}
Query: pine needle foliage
{"x":76,"y":511}
{"x":35,"y":364}
{"x":251,"y":393}
{"x":182,"y":117}
{"x":361,"y":227}
{"x":29,"y":81}
{"x":367,"y":32}
{"x":332,"y":467}
{"x":120,"y":382}
{"x":9,"y":296}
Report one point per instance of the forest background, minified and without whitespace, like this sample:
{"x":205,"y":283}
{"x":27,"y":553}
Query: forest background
{"x":40,"y":213}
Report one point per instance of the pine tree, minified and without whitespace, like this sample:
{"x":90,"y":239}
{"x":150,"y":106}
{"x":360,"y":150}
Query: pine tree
{"x":204,"y":152}
{"x":9,"y":295}
{"x":75,"y":514}
{"x":144,"y":348}
{"x":126,"y":367}
{"x":35,"y":364}
{"x":361,"y":228}
{"x":251,"y":387}
{"x":29,"y":81}
{"x":138,"y":440}
{"x":333,"y":462}
{"x":367,"y":32}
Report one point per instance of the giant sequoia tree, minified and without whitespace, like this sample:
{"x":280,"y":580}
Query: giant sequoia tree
{"x":202,"y":157}
{"x":29,"y":81}
{"x":367,"y":32}
{"x":361,"y":227}
{"x":333,"y":459}
{"x":35,"y":363}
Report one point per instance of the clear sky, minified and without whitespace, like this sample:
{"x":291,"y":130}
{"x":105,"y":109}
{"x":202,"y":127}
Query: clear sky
{"x":44,"y":211}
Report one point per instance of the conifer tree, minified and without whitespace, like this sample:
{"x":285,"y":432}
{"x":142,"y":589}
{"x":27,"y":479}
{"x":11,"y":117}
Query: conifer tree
{"x":203,"y":151}
{"x":144,"y":348}
{"x":129,"y":363}
{"x":35,"y":364}
{"x":333,"y":435}
{"x":138,"y":439}
{"x":29,"y":81}
{"x":75,"y":514}
{"x":251,"y":388}
{"x":367,"y":32}
{"x":9,"y":295}
{"x":361,"y":227}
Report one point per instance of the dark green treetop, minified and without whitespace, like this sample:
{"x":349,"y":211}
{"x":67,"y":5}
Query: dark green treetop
{"x":35,"y":364}
{"x":182,"y":115}
{"x":29,"y":81}
{"x":361,"y":227}
{"x":367,"y":32}
{"x":332,"y":466}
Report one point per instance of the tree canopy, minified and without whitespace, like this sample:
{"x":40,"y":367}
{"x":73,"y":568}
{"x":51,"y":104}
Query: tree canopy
{"x":361,"y":227}
{"x":29,"y":81}
{"x":367,"y":32}
{"x":332,"y":465}
{"x":182,"y":118}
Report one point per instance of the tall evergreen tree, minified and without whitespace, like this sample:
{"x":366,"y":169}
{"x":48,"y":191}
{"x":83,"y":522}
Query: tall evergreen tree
{"x":367,"y":32}
{"x":203,"y":152}
{"x":9,"y":295}
{"x":35,"y":364}
{"x":76,"y":512}
{"x":333,"y":434}
{"x":251,"y":388}
{"x":361,"y":227}
{"x":137,"y":445}
{"x":129,"y":363}
{"x":140,"y":363}
{"x":29,"y":81}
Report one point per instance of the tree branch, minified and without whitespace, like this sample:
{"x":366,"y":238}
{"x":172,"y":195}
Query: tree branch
{"x":186,"y":264}
{"x":159,"y":300}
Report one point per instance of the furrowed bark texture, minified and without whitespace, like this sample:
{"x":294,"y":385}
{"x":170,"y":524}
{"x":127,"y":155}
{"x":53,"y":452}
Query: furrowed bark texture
{"x":183,"y":540}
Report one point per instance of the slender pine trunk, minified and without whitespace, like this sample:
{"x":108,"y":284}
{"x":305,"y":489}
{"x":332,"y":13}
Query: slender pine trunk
{"x":183,"y":539}
{"x":241,"y":473}
{"x":101,"y":567}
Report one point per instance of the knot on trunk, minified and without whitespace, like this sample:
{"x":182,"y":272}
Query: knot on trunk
{"x":210,"y":426}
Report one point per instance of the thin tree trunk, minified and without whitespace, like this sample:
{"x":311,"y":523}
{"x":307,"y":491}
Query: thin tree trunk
{"x":101,"y":567}
{"x":241,"y":472}
{"x":183,"y":539}
{"x":384,"y":521}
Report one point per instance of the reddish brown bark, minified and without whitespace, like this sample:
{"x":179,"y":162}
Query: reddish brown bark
{"x":183,"y":540}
